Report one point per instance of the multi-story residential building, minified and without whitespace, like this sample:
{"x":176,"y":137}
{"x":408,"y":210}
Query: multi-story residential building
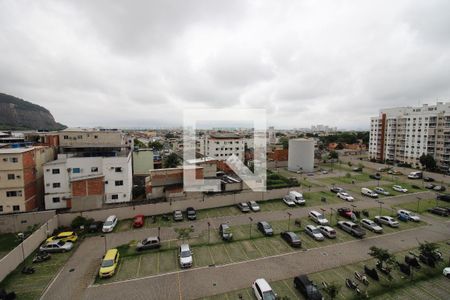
{"x":403,"y":134}
{"x":21,"y":178}
{"x":102,"y":180}
{"x":94,"y":167}
{"x":222,"y":145}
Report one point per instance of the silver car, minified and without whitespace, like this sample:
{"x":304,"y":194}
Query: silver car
{"x":371,"y":225}
{"x":314,"y":232}
{"x":56,"y":246}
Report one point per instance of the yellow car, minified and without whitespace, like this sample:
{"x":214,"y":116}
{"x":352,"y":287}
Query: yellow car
{"x":68,"y":236}
{"x":109,"y":263}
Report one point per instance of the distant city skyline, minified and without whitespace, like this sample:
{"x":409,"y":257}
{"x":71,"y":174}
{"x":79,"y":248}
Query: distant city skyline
{"x":306,"y":62}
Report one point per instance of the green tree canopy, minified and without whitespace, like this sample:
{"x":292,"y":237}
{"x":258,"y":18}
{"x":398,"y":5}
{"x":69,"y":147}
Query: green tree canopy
{"x":171,"y":161}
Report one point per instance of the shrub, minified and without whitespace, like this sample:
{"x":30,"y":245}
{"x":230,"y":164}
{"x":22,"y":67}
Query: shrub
{"x":78,"y":221}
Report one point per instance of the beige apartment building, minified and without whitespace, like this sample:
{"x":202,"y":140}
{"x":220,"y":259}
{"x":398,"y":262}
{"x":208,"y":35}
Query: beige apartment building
{"x":21,"y":178}
{"x":403,"y":134}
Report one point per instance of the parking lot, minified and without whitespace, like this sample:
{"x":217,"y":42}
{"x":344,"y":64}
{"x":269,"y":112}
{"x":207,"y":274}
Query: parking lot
{"x":429,"y":284}
{"x":249,"y":243}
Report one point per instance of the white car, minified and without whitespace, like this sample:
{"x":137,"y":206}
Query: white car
{"x":288,"y":201}
{"x":109,"y":224}
{"x":381,"y":191}
{"x":318,"y":217}
{"x":314,"y":232}
{"x":327,"y":231}
{"x":369,"y":193}
{"x":409,"y":215}
{"x":254,"y":206}
{"x":185,"y":256}
{"x":262,"y":290}
{"x":446,"y":272}
{"x":386,"y":220}
{"x":371,"y":225}
{"x":399,"y":188}
{"x":345,"y":196}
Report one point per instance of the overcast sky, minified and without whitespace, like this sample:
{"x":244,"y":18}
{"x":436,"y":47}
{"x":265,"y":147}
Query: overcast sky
{"x":139,"y":63}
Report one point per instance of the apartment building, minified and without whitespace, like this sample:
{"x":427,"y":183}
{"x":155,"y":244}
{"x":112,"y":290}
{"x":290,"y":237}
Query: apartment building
{"x":82,"y":183}
{"x":21,"y":178}
{"x":403,"y":134}
{"x":221,"y":145}
{"x":94,"y":167}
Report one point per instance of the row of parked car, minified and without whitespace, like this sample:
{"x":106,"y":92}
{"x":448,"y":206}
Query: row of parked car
{"x":263,"y":291}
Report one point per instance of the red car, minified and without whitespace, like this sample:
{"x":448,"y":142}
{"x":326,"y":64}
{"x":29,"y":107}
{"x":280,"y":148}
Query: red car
{"x":345,"y":212}
{"x":138,"y":221}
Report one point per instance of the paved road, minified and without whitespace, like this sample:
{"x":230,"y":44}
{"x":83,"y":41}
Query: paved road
{"x":202,"y":282}
{"x":86,"y":259}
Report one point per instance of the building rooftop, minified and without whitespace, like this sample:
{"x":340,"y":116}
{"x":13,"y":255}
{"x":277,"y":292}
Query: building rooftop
{"x":18,"y":150}
{"x":225,"y":135}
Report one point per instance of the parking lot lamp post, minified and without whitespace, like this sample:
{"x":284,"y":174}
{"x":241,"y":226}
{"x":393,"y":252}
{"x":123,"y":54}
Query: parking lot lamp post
{"x":418,"y":204}
{"x":331,"y":216}
{"x":323,"y":212}
{"x":209,"y":232}
{"x":381,"y":203}
{"x":104,"y":238}
{"x":289,"y":221}
{"x":159,"y":232}
{"x":251,"y":223}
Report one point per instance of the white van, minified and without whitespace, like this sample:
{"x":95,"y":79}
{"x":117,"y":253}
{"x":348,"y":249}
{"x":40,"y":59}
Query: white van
{"x":296,"y":197}
{"x":369,"y":193}
{"x":415,"y":175}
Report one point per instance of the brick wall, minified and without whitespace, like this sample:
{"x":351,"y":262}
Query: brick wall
{"x":88,"y":187}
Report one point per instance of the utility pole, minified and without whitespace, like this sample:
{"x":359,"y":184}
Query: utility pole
{"x":251,"y":223}
{"x":289,"y":221}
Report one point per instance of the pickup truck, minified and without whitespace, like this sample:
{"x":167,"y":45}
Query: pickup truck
{"x":351,"y":228}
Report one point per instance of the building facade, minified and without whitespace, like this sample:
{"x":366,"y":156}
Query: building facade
{"x":403,"y":134}
{"x":21,"y":178}
{"x":83,"y":183}
{"x":220,"y":146}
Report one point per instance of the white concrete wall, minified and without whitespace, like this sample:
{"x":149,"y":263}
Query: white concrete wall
{"x":301,"y":155}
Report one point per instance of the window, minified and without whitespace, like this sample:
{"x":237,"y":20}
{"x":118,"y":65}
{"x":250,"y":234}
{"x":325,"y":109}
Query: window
{"x":56,"y":185}
{"x":119,"y":182}
{"x":95,"y":136}
{"x":1,"y":208}
{"x":94,"y":169}
{"x":114,"y":197}
{"x":14,"y":159}
{"x":118,"y":169}
{"x":11,"y":176}
{"x":16,"y":207}
{"x":56,"y":199}
{"x":66,"y":137}
{"x":55,"y":171}
{"x":76,"y":170}
{"x":13,"y":193}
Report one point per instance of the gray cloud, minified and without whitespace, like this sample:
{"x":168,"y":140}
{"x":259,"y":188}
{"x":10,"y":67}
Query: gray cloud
{"x":140,"y":63}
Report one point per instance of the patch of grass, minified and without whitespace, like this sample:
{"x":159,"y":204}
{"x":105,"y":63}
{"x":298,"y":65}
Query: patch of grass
{"x":8,"y":241}
{"x":423,"y":205}
{"x":32,"y":286}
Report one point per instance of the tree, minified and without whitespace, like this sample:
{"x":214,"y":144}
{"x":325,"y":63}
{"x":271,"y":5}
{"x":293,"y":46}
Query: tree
{"x":285,"y":142}
{"x":339,"y":146}
{"x":333,"y":155}
{"x":428,"y":162}
{"x":138,"y":143}
{"x":332,"y":290}
{"x":382,"y":255}
{"x":157,"y":146}
{"x":171,"y":161}
{"x":428,"y":249}
{"x":169,"y":135}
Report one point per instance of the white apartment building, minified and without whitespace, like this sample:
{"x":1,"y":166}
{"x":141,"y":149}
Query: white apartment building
{"x":403,"y":134}
{"x":109,"y":179}
{"x":221,"y":145}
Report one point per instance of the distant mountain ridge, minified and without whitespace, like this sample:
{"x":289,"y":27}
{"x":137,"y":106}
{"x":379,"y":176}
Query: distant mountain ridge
{"x":18,"y":114}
